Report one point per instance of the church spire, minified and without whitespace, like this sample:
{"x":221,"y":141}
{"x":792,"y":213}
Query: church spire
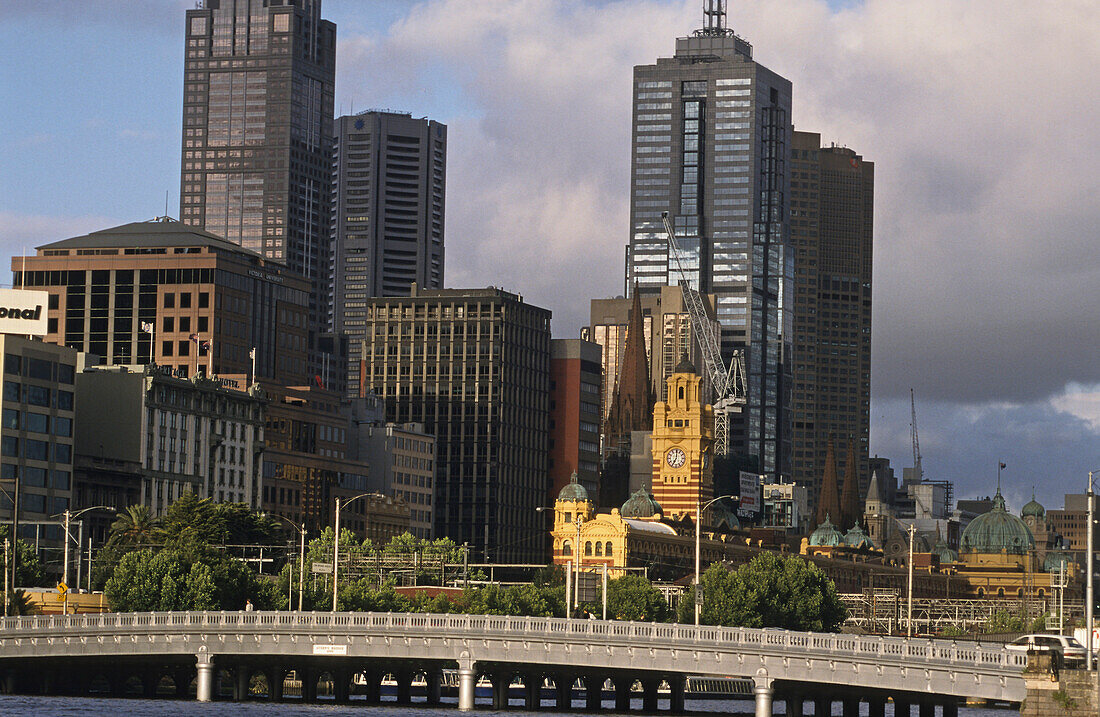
{"x":632,"y":403}
{"x":849,"y":496}
{"x":828,"y":503}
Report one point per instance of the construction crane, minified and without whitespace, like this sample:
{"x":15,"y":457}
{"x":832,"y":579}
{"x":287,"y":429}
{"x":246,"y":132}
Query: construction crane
{"x":917,"y":468}
{"x":727,"y":383}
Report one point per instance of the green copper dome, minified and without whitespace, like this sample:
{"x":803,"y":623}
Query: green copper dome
{"x":826,"y":535}
{"x":1033,"y":509}
{"x":573,"y":490}
{"x":944,"y":552}
{"x":856,"y":538}
{"x":720,"y":515}
{"x":997,"y":530}
{"x":641,"y":504}
{"x":1054,"y":559}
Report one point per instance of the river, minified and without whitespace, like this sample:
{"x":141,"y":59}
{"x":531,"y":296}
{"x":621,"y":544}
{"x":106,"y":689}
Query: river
{"x":25,"y":706}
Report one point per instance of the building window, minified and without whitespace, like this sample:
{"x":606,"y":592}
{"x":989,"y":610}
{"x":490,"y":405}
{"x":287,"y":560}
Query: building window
{"x":588,"y":547}
{"x":566,"y":548}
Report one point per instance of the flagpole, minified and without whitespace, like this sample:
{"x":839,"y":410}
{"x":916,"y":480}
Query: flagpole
{"x":252,"y":355}
{"x":210,"y":358}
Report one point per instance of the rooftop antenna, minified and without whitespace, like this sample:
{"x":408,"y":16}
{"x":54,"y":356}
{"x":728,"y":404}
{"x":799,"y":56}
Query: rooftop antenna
{"x":917,"y":467}
{"x":714,"y":19}
{"x":166,"y":203}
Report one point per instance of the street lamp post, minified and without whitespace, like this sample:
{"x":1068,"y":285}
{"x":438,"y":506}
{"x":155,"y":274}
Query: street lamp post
{"x":1090,"y":596}
{"x":909,"y":608}
{"x":68,"y":516}
{"x":336,"y":543}
{"x":698,"y":548}
{"x":301,"y":558}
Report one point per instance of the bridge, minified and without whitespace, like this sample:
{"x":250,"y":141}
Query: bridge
{"x":64,"y":653}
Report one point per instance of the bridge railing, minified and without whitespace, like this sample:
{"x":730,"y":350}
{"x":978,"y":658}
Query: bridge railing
{"x":828,"y":645}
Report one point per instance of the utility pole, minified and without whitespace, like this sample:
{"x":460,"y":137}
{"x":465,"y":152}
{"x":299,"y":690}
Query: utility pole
{"x":1090,"y":596}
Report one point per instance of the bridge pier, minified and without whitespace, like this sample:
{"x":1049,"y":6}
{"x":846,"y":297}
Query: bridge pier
{"x":793,"y":703}
{"x":902,"y":707}
{"x":649,"y":694}
{"x":677,"y":684}
{"x":563,"y":685}
{"x":500,"y":682}
{"x":763,"y":691}
{"x":404,"y":686}
{"x":467,"y":680}
{"x":532,"y":691}
{"x":308,"y":677}
{"x":823,"y":706}
{"x":241,"y":679}
{"x":373,"y":686}
{"x":927,"y":709}
{"x":204,"y":687}
{"x":275,"y":677}
{"x":876,"y":707}
{"x":951,"y":709}
{"x":341,"y":692}
{"x":623,"y":683}
{"x":593,"y":692}
{"x":433,"y":690}
{"x":850,"y":706}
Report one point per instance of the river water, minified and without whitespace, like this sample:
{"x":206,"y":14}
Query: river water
{"x":25,"y":706}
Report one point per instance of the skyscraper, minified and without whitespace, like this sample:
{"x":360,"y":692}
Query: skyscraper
{"x":711,"y":141}
{"x":473,"y":366}
{"x":832,"y":212}
{"x":388,"y":180}
{"x":257,"y":132}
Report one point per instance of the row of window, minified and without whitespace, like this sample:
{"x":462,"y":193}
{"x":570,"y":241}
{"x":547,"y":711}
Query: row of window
{"x":38,"y":396}
{"x":41,"y":369}
{"x":35,"y":450}
{"x":37,"y":422}
{"x":600,"y":549}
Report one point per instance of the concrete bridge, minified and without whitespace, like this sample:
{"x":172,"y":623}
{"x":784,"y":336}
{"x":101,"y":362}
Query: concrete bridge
{"x":64,"y":654}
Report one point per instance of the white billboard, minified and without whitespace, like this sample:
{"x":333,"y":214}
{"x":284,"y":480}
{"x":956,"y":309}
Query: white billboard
{"x":24,"y":312}
{"x":751,"y":501}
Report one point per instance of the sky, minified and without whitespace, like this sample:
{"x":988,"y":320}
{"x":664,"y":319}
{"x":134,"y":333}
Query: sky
{"x":980,"y":116}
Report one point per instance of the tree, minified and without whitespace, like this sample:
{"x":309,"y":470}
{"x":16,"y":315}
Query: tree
{"x":133,"y":527}
{"x":29,"y":572}
{"x":769,"y":591}
{"x":174,"y":579}
{"x":632,"y":597}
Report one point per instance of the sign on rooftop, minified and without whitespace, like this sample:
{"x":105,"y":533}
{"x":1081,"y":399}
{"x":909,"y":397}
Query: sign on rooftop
{"x":24,"y":312}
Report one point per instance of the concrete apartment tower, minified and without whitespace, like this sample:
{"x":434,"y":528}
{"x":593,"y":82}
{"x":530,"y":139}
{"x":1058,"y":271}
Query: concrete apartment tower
{"x":388,"y":182}
{"x":257,"y":132}
{"x":711,"y":142}
{"x":832,"y":230}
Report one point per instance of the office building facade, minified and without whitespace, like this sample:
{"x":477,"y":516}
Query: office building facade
{"x":711,"y":142}
{"x":472,"y":366}
{"x":165,"y":293}
{"x":37,"y":434}
{"x":832,"y":213}
{"x":166,"y":436}
{"x":259,"y":78}
{"x":575,"y":377}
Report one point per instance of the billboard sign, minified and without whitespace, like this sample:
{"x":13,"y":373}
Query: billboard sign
{"x":751,"y":501}
{"x":24,"y":312}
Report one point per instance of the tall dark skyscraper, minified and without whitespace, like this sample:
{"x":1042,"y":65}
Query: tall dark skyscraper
{"x":257,"y":132}
{"x":472,"y":366}
{"x":832,"y":213}
{"x":388,"y":182}
{"x":711,"y":143}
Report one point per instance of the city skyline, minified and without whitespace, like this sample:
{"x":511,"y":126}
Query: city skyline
{"x":1001,"y":370}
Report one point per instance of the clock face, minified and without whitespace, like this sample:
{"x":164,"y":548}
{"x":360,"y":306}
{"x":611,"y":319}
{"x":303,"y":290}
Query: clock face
{"x":675,"y":458}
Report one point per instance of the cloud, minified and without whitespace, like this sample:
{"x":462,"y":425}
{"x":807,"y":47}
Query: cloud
{"x":1049,"y":445}
{"x":21,"y":233}
{"x":973,"y":111}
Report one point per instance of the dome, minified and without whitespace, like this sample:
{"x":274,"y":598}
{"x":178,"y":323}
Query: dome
{"x":1054,"y":559}
{"x":944,"y":552}
{"x":856,"y":538}
{"x":573,"y":490}
{"x":685,"y":366}
{"x":1033,"y":510}
{"x":641,"y":504}
{"x":826,"y":535}
{"x":720,"y":514}
{"x":997,"y":530}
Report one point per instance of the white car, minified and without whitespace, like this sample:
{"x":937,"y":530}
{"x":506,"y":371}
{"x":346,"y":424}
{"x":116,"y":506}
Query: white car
{"x":1072,"y":652}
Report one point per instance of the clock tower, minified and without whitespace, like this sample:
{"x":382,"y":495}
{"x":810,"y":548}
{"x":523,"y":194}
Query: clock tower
{"x":683,"y":444}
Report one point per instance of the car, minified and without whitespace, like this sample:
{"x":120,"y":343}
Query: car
{"x":1071,"y":651}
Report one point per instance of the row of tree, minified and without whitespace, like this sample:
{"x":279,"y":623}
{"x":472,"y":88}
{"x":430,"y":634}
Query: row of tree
{"x":182,"y":562}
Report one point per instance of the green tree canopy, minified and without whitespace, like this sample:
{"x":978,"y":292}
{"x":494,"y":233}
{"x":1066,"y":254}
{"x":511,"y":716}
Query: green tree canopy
{"x":134,"y":527}
{"x":632,"y":597}
{"x":172,"y":579}
{"x":769,"y":591}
